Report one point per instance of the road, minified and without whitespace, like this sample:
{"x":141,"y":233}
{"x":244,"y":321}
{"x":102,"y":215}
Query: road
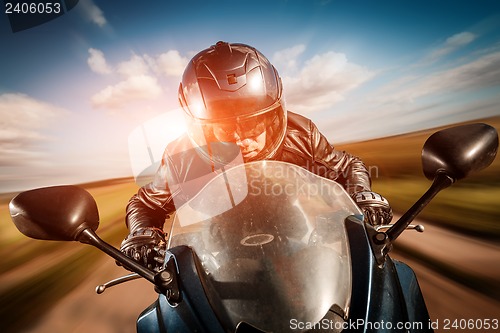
{"x":474,"y":265}
{"x":83,"y":310}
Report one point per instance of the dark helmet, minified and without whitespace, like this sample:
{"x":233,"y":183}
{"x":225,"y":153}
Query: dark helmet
{"x":230,"y":92}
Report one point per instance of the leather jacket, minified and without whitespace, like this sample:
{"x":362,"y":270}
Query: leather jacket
{"x":183,"y":172}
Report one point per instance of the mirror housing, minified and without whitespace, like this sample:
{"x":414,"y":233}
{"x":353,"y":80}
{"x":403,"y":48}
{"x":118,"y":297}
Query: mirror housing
{"x":447,"y":156}
{"x":54,"y":213}
{"x":459,"y":151}
{"x":69,"y":213}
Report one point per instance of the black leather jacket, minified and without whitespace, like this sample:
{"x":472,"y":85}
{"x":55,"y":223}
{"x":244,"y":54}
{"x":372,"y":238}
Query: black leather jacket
{"x":183,"y":172}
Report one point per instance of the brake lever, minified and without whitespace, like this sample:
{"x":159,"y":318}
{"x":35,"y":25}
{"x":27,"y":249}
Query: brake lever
{"x":416,"y":227}
{"x":102,"y":287}
{"x":165,"y":281}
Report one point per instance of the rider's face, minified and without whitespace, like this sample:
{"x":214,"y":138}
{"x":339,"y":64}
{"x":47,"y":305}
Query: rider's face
{"x":250,"y":136}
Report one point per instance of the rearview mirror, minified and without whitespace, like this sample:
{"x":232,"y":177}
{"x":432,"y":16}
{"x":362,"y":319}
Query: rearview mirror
{"x":447,"y":156}
{"x":68,"y":213}
{"x":459,"y":151}
{"x":54,"y":213}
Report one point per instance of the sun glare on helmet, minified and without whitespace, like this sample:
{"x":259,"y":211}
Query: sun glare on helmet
{"x":197,"y":107}
{"x":255,"y":84}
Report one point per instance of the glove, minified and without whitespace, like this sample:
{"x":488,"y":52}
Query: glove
{"x":375,"y":207}
{"x":146,"y":246}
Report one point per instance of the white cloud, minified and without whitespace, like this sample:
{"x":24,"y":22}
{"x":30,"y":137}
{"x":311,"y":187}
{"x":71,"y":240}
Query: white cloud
{"x":479,"y":73}
{"x":93,"y":13}
{"x":420,"y":101}
{"x":23,"y":120}
{"x":140,"y":76}
{"x":171,"y":63}
{"x":286,"y":60}
{"x":323,"y":81}
{"x":460,"y":39}
{"x":136,"y":66}
{"x":137,"y":87}
{"x":97,"y":62}
{"x":450,"y":45}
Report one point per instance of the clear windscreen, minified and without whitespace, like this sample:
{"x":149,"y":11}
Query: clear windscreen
{"x":272,"y":244}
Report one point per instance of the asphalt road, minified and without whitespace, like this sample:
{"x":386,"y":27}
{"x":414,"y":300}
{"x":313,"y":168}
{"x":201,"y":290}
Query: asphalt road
{"x":469,"y":291}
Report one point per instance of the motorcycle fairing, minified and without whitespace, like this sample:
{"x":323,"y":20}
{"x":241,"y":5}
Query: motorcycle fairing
{"x":387,"y":293}
{"x":192,"y":314}
{"x":415,"y":304}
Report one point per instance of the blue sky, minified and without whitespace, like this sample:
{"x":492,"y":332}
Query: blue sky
{"x":79,"y":94}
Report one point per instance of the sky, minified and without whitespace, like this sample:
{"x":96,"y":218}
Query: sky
{"x":92,"y":94}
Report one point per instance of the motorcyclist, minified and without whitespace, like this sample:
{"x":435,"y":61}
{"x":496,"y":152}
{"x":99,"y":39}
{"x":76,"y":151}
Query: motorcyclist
{"x":233,"y":97}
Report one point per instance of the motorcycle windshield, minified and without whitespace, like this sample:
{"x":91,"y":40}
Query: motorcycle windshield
{"x":271,"y":241}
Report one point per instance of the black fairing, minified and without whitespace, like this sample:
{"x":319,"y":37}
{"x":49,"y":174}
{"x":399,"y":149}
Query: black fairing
{"x":382,"y":294}
{"x":417,"y":311}
{"x":192,"y":314}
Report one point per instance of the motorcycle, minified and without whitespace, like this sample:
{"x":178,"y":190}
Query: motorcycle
{"x":270,"y":247}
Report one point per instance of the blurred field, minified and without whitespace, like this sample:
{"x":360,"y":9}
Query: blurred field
{"x":47,"y":286}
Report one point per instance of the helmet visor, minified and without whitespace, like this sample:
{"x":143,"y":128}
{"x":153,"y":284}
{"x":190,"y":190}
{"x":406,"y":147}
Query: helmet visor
{"x":258,"y":135}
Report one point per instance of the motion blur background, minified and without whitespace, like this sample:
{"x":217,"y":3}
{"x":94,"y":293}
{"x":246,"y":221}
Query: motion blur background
{"x":91,"y":98}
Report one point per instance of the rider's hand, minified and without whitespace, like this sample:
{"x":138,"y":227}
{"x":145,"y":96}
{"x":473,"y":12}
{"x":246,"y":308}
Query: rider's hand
{"x":146,"y":246}
{"x":375,"y":207}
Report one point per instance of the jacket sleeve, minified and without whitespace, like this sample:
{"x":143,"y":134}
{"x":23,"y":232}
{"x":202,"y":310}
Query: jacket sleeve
{"x":346,"y":169}
{"x":141,"y":212}
{"x":152,"y":204}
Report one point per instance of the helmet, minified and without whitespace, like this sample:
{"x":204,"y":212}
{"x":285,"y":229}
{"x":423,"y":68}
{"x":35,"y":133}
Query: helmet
{"x":231,"y":93}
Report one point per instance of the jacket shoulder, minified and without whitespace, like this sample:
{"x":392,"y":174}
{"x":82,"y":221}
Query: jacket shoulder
{"x":298,"y":144}
{"x":298,"y":124}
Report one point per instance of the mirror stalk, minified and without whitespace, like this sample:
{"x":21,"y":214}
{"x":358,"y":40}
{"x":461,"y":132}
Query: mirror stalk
{"x":165,"y":280}
{"x":441,"y":181}
{"x":88,"y":236}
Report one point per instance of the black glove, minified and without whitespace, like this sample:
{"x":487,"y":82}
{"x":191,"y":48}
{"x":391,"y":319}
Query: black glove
{"x":375,"y":207}
{"x":146,"y":246}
